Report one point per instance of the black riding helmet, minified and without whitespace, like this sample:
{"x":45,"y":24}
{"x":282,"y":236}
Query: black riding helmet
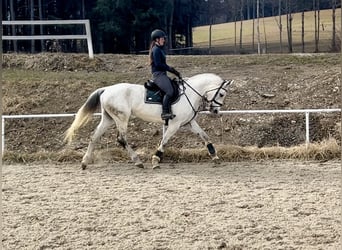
{"x":157,"y":34}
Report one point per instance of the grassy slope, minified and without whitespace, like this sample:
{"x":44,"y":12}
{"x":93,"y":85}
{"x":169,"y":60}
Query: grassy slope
{"x":224,"y":34}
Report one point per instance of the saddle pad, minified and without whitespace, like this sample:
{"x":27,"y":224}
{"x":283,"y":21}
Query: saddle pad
{"x":153,"y":97}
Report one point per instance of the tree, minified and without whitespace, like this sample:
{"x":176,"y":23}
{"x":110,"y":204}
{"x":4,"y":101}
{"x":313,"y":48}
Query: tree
{"x":241,"y":22}
{"x":303,"y":7}
{"x":12,"y":18}
{"x":280,"y":25}
{"x":289,"y":24}
{"x":214,"y":10}
{"x":317,"y":22}
{"x":333,"y":40}
{"x":258,"y":25}
{"x":32,"y":26}
{"x":124,"y":26}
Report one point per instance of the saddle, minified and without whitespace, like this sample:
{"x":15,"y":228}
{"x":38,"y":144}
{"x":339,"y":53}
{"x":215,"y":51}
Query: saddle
{"x":154,"y":95}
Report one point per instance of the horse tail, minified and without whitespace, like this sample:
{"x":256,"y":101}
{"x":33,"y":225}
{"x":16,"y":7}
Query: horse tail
{"x":84,"y":114}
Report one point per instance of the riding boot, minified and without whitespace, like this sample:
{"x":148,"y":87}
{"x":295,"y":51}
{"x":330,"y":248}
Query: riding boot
{"x":166,"y":114}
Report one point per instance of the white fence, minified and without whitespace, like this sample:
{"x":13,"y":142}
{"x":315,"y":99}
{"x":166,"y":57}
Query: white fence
{"x":87,"y":36}
{"x":305,"y":111}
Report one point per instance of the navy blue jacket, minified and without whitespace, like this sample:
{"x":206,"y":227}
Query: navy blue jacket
{"x":159,"y":60}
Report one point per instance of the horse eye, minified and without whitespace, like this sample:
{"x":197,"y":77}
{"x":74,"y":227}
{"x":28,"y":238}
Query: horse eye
{"x":221,"y":95}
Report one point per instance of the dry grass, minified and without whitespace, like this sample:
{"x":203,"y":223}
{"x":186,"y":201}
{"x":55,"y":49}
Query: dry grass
{"x":224,"y":34}
{"x":323,"y":151}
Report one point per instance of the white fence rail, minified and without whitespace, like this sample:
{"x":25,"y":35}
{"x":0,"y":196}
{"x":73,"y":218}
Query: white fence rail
{"x":86,"y":36}
{"x":224,"y":112}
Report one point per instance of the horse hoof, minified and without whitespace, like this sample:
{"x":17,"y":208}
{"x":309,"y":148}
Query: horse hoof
{"x":216,"y":161}
{"x":155,"y":162}
{"x":84,"y":166}
{"x":139,"y":165}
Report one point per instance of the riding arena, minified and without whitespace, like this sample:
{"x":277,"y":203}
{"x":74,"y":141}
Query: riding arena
{"x":113,"y":175}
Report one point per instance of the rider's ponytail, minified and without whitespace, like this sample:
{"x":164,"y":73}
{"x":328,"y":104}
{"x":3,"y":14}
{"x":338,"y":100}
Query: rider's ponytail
{"x":150,"y":51}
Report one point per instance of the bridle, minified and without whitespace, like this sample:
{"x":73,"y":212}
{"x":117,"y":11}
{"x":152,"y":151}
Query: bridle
{"x":204,"y":98}
{"x":213,"y":100}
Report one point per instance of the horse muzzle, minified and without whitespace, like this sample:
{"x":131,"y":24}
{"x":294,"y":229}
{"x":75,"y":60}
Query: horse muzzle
{"x":214,"y":110}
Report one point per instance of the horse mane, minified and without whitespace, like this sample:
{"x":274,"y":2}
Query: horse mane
{"x":208,"y":77}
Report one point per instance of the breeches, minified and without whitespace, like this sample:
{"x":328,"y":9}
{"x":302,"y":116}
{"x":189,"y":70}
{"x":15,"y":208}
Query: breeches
{"x":163,"y":82}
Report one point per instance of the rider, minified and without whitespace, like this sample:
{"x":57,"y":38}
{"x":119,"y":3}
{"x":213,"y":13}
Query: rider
{"x":159,"y":69}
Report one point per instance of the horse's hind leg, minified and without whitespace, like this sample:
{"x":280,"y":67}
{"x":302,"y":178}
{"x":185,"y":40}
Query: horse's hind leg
{"x":106,"y":122}
{"x":194,"y":127}
{"x":122,"y":123}
{"x":122,"y":140}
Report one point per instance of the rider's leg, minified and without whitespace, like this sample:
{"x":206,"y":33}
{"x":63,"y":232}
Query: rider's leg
{"x":167,"y":113}
{"x":164,"y":83}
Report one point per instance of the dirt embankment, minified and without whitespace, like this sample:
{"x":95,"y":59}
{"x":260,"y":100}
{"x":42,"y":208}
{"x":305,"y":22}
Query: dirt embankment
{"x":60,"y":83}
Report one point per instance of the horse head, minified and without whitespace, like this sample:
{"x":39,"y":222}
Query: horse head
{"x":212,"y":89}
{"x":215,"y":97}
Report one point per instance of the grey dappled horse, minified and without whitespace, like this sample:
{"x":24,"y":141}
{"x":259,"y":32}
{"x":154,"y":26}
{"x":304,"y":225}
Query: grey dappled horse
{"x":120,"y":101}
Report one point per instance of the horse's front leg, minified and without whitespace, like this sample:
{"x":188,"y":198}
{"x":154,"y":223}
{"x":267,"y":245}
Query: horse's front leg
{"x":194,"y":127}
{"x":169,"y":132}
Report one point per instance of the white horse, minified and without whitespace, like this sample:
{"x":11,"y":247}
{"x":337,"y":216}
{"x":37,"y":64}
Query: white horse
{"x":118,"y":102}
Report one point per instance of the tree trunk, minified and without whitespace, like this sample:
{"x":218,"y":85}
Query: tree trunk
{"x":241,"y":22}
{"x":316,"y":32}
{"x":289,"y":24}
{"x":189,"y":41}
{"x":1,"y":30}
{"x":333,"y":41}
{"x":32,"y":26}
{"x":264,"y":26}
{"x":83,"y":42}
{"x":258,"y":27}
{"x":170,"y":36}
{"x":14,"y":33}
{"x":263,"y":19}
{"x":253,"y":31}
{"x":303,"y":43}
{"x":40,"y":9}
{"x":248,"y":11}
{"x":210,"y":27}
{"x":280,"y":29}
{"x":235,"y":38}
{"x":318,"y":23}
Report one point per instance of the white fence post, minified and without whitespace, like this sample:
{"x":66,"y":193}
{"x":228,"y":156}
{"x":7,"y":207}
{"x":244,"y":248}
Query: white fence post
{"x":3,"y":134}
{"x":89,"y":42}
{"x":307,"y":128}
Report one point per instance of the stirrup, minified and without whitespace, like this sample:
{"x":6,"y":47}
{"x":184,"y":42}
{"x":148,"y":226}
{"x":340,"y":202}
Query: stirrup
{"x":166,"y":116}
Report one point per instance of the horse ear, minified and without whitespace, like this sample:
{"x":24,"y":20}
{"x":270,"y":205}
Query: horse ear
{"x":227,"y":82}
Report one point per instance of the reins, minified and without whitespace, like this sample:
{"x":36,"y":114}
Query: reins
{"x":182,"y":83}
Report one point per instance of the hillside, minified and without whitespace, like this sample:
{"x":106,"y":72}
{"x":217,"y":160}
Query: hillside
{"x":224,"y":34}
{"x":60,"y":83}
